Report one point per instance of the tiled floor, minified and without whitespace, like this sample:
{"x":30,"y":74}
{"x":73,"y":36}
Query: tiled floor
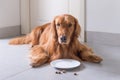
{"x":14,"y":65}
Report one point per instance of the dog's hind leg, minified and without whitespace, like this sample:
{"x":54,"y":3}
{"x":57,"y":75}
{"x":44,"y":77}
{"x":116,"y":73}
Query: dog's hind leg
{"x":36,"y":34}
{"x":20,"y":40}
{"x":87,"y":54}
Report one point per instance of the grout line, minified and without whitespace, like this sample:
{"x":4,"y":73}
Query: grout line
{"x":68,"y":7}
{"x":16,"y":74}
{"x":20,"y":16}
{"x":30,"y":16}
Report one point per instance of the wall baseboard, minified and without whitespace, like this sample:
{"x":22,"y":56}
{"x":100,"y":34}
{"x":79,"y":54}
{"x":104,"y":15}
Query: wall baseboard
{"x":10,"y":31}
{"x":103,"y":38}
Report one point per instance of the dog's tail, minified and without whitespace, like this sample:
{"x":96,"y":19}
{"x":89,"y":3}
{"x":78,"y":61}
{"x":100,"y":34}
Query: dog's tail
{"x":20,"y":40}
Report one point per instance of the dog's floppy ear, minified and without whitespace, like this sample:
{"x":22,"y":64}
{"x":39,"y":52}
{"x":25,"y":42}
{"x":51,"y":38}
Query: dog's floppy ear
{"x":53,"y":29}
{"x":77,"y":28}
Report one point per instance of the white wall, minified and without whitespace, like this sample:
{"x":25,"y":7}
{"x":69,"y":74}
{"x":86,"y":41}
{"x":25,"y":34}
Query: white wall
{"x":9,"y":13}
{"x":103,"y":15}
{"x":42,"y":13}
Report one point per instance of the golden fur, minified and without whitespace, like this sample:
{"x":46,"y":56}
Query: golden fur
{"x":47,"y":46}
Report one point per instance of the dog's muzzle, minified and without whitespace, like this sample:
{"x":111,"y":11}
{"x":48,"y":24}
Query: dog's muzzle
{"x":63,"y":39}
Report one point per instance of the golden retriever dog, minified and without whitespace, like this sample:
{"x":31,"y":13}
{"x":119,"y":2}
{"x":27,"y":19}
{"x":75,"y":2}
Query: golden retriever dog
{"x":57,"y":40}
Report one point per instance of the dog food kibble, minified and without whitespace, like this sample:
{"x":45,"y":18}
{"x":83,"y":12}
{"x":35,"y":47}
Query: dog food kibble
{"x":75,"y":74}
{"x":59,"y":72}
{"x":63,"y":71}
{"x":56,"y":72}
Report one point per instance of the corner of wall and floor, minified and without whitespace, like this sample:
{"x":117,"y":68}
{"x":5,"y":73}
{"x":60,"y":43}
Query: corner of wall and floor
{"x":10,"y":31}
{"x":94,"y":37}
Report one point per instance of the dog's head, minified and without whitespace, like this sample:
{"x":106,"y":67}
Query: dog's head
{"x":64,"y":28}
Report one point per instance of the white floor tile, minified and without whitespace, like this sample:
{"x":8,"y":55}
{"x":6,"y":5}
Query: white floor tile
{"x":48,"y":73}
{"x":14,"y":65}
{"x":13,"y":59}
{"x":111,"y":58}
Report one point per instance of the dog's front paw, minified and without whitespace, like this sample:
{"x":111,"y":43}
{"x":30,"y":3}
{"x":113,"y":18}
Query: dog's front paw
{"x":34,"y":65}
{"x":95,"y":59}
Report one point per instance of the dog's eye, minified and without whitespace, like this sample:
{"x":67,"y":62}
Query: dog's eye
{"x":69,"y":25}
{"x":58,"y":24}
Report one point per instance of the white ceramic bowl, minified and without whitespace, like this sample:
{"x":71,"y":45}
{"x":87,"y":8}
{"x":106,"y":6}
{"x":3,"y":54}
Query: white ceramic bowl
{"x":65,"y":63}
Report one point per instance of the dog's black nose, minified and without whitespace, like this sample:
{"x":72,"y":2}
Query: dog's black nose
{"x":63,"y":38}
